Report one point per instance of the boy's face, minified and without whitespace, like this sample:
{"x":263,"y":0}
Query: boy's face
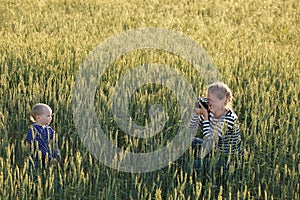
{"x":44,"y":118}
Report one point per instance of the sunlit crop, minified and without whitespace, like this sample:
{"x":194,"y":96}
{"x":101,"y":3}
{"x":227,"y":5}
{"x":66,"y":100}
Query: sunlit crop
{"x":254,"y":44}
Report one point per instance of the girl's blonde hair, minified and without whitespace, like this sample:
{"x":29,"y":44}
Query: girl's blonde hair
{"x":221,"y":90}
{"x":37,"y":110}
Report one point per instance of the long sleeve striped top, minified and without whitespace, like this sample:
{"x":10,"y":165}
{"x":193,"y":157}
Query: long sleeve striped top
{"x":226,"y":128}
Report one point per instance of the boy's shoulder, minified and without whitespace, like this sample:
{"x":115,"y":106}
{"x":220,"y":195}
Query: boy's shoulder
{"x":49,"y":128}
{"x":40,"y":128}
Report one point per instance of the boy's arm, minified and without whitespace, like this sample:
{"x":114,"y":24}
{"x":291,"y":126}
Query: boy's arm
{"x":54,"y":151}
{"x":29,"y":136}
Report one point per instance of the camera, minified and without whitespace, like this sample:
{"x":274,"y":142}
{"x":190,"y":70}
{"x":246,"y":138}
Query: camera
{"x":203,"y":101}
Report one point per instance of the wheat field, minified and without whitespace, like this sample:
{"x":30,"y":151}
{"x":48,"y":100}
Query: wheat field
{"x":254,"y":45}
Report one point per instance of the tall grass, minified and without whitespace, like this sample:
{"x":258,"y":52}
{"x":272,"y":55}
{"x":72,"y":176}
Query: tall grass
{"x":254,"y":44}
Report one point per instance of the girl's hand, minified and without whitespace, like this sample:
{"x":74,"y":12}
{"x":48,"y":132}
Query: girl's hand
{"x":202,"y":111}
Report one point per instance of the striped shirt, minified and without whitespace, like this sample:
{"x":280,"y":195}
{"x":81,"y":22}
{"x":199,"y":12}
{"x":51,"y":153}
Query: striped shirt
{"x":41,"y":135}
{"x":226,"y":128}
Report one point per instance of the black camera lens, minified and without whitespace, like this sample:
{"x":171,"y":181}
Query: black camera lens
{"x":203,"y":101}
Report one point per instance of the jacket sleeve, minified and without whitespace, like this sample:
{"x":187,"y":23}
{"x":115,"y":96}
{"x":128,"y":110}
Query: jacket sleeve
{"x":195,"y":121}
{"x":29,"y":137}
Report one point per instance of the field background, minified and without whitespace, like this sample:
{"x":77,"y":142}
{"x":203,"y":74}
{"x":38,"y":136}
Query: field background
{"x":254,"y":44}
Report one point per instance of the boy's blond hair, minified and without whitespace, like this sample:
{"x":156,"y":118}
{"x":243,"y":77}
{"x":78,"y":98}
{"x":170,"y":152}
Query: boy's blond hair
{"x":37,"y":110}
{"x":221,"y":90}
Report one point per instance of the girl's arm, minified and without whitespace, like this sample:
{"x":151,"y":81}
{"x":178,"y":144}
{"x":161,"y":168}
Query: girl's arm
{"x":195,"y":121}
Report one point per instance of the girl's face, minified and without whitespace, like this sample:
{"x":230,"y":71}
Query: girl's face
{"x":215,"y":104}
{"x":44,"y":118}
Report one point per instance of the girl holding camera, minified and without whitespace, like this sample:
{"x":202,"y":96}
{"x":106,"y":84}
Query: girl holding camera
{"x":220,"y":130}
